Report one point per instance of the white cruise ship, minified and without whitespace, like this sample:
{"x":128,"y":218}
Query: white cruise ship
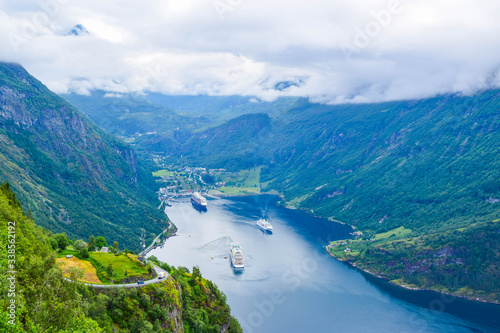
{"x":265,"y":225}
{"x":198,"y":201}
{"x":237,"y":256}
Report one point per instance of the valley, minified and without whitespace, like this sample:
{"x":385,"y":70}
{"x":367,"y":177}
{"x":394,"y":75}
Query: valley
{"x":429,"y":167}
{"x":423,"y":206}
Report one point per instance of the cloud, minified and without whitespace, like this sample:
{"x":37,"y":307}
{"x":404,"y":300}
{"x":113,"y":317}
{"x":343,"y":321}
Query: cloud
{"x":331,"y":51}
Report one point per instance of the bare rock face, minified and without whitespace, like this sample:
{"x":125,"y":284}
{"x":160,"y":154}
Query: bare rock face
{"x":11,"y":107}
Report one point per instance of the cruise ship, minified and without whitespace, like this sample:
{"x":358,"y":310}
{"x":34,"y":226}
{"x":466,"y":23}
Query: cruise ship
{"x":237,"y":260}
{"x":265,"y":225}
{"x":198,"y":201}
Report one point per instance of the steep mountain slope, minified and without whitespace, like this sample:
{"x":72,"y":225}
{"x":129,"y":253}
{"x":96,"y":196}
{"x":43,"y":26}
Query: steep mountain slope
{"x":144,"y":124}
{"x":421,"y":164}
{"x":129,"y":114}
{"x":231,"y":145}
{"x":39,"y":299}
{"x":430,"y":168}
{"x":163,"y":124}
{"x":72,"y":176}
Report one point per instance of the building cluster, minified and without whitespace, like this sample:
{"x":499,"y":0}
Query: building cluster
{"x":182,"y":181}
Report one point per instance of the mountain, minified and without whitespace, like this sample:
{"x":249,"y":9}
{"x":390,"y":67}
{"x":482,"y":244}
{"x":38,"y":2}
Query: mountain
{"x":126,"y":115}
{"x":421,"y":164}
{"x":78,"y":30}
{"x":156,"y":122}
{"x":375,"y":166}
{"x":72,"y":176}
{"x":221,"y":108}
{"x":238,"y":138}
{"x":419,"y":179}
{"x":137,"y":120}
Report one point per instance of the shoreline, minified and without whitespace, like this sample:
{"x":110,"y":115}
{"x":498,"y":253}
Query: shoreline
{"x":282,"y":204}
{"x":350,"y":264}
{"x":159,"y":244}
{"x":223,"y":195}
{"x":357,"y":267}
{"x":144,"y":253}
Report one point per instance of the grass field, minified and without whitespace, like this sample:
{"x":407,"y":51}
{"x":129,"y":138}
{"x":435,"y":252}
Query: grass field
{"x":162,"y":173}
{"x":123,"y":266}
{"x":89,"y":271}
{"x":296,"y":201}
{"x":250,"y":178}
{"x":394,"y":233}
{"x":234,"y":190}
{"x":245,"y":182}
{"x":397,"y":232}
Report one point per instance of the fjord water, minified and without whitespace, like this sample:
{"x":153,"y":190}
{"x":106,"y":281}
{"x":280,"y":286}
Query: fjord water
{"x":290,"y":284}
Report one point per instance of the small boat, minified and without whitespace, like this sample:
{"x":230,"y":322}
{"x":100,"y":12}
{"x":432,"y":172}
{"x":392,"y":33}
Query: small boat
{"x":265,"y":225}
{"x":237,"y":260}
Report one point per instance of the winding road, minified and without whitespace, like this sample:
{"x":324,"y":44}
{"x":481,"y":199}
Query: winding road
{"x":153,"y":244}
{"x":130,"y":285}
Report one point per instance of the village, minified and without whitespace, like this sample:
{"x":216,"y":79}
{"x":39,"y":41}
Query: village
{"x":181,"y":181}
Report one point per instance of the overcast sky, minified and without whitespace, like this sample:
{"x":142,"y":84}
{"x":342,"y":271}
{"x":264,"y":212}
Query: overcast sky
{"x":332,"y":51}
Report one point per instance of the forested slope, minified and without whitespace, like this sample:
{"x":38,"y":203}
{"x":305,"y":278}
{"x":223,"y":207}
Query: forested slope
{"x":72,"y":176}
{"x":41,"y":300}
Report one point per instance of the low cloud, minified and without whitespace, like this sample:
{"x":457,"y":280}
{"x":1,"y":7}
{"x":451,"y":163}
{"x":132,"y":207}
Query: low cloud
{"x":330,"y":51}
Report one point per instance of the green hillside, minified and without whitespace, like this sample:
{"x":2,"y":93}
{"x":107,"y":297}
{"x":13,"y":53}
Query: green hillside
{"x":36,"y":298}
{"x":425,"y":165}
{"x":70,"y":174}
{"x":231,"y":145}
{"x":462,"y":261}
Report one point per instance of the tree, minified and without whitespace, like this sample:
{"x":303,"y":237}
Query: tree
{"x":209,"y":179}
{"x":115,"y":247}
{"x":100,"y":241}
{"x":84,"y":253}
{"x":109,"y":270}
{"x":62,"y":240}
{"x":53,"y":243}
{"x":196,"y":272}
{"x":78,"y":245}
{"x":91,"y":244}
{"x":142,"y":326}
{"x":157,"y":326}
